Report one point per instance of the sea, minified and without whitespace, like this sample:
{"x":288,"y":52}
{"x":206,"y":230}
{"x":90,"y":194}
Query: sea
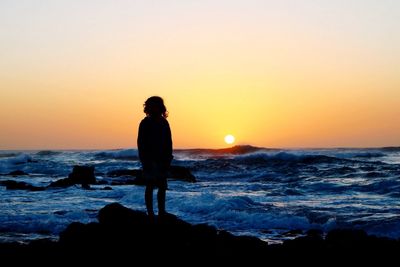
{"x":273,"y":194}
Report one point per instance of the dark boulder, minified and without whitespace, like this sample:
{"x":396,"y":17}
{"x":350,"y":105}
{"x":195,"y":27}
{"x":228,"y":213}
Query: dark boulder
{"x":83,"y":175}
{"x":122,"y":231}
{"x":181,"y":173}
{"x":122,"y":235}
{"x":66,"y":182}
{"x":14,"y":185}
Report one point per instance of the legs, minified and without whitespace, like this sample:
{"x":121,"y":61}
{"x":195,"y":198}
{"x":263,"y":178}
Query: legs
{"x":161,"y":201}
{"x":148,"y":197}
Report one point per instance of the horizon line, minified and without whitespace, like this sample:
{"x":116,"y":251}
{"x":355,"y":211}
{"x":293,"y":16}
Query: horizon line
{"x":207,"y":148}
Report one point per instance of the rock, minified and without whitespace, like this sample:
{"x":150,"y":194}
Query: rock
{"x":122,"y":234}
{"x":120,"y":231}
{"x":346,"y":237}
{"x":116,"y":215}
{"x":83,"y":175}
{"x":181,"y":173}
{"x":66,"y":182}
{"x":14,"y":185}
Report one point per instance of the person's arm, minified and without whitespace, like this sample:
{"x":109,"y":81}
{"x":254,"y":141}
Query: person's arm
{"x":169,"y":147}
{"x":141,"y":141}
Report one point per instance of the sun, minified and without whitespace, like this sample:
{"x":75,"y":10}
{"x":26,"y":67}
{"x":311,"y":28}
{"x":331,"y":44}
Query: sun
{"x":229,"y":139}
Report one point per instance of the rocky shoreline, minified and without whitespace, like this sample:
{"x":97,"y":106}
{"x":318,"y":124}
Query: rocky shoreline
{"x":123,"y":234}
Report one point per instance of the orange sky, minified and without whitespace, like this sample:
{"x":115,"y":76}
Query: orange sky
{"x":75,"y":74}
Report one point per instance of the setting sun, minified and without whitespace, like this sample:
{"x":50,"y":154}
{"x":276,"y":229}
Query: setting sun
{"x":229,"y":139}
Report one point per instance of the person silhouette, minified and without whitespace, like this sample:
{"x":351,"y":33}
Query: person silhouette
{"x":154,"y":144}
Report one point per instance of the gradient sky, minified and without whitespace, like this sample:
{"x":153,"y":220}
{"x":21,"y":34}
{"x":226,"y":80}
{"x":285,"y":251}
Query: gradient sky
{"x":299,"y":73}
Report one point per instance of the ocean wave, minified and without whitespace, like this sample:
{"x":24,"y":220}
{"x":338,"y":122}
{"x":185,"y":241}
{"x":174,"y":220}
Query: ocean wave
{"x":239,"y":213}
{"x":279,"y":161}
{"x":221,"y":152}
{"x":381,"y":186}
{"x":335,"y":171}
{"x":125,"y":154}
{"x":8,"y":154}
{"x":17,"y":159}
{"x":252,"y":192}
{"x":248,"y":149}
{"x":391,"y":149}
{"x":368,"y":154}
{"x":288,"y":157}
{"x":48,"y":153}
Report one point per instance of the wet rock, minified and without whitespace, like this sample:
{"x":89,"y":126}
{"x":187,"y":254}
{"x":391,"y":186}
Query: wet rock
{"x":83,"y":175}
{"x":14,"y":185}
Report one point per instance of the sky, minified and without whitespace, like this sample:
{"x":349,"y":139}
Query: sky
{"x":74,"y":74}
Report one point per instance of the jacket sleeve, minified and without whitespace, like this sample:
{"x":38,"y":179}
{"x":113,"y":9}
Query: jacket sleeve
{"x":169,"y":147}
{"x":141,"y":141}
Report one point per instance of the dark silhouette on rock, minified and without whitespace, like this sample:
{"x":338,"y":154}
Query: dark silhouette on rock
{"x":154,"y":142}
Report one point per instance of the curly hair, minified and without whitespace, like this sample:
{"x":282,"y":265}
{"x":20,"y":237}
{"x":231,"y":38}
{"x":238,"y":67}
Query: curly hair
{"x":154,"y":106}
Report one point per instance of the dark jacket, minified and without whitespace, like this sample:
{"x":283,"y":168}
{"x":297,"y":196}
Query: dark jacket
{"x":154,"y":141}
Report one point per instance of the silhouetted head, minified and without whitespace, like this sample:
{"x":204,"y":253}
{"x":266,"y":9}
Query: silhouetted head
{"x":154,"y":106}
